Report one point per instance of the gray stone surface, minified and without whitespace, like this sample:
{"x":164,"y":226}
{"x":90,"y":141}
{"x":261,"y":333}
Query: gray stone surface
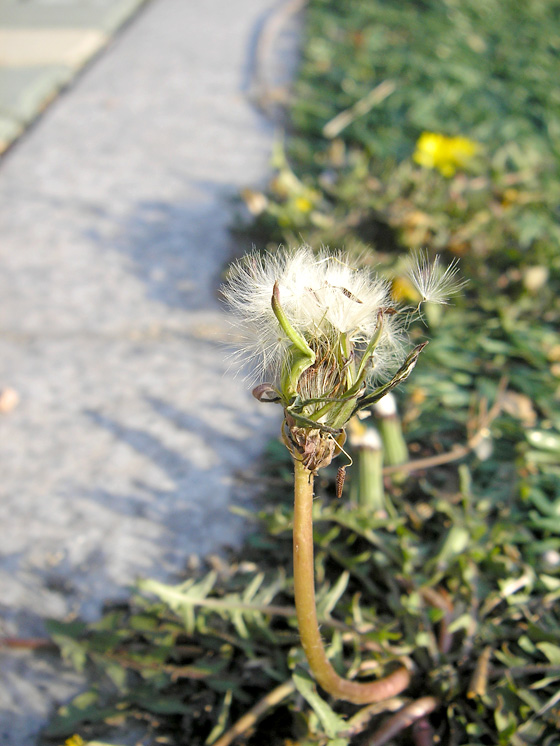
{"x":50,"y":14}
{"x":43,"y":46}
{"x":121,"y":458}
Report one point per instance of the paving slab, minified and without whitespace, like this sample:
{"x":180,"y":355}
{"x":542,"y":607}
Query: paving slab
{"x":127,"y":445}
{"x":43,"y":46}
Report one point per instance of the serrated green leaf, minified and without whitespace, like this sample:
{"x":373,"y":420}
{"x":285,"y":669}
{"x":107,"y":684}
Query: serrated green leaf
{"x":550,"y":582}
{"x":74,"y":628}
{"x":331,"y":722}
{"x":546,"y":681}
{"x":72,"y":651}
{"x":551,"y":651}
{"x":117,"y":674}
{"x":83,"y":708}
{"x":160,"y":704}
{"x":455,"y":543}
{"x":250,"y":592}
{"x":222,"y":719}
{"x":328,"y":602}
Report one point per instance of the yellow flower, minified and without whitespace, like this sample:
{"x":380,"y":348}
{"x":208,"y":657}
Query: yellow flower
{"x":446,"y":154}
{"x":75,"y":740}
{"x":402,"y":290}
{"x":303,"y":204}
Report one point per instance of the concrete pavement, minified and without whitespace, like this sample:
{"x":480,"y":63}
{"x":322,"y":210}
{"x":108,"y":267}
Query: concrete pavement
{"x":120,"y":459}
{"x":43,"y":45}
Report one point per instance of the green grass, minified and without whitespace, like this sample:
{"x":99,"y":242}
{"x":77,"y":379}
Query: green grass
{"x":479,"y":68}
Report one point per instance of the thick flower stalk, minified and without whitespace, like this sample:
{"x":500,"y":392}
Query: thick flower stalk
{"x":325,"y":340}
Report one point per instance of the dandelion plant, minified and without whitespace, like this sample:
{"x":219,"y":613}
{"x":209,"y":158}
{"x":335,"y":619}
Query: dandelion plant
{"x":325,"y":341}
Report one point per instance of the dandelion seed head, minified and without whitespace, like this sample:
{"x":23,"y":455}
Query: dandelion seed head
{"x":351,"y":298}
{"x":344,"y":316}
{"x":319,"y":381}
{"x":434,"y":283}
{"x":391,"y":349}
{"x":322,"y":296}
{"x":318,"y":333}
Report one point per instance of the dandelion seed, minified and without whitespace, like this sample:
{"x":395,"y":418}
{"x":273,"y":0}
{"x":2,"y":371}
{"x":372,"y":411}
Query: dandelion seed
{"x":434,"y":283}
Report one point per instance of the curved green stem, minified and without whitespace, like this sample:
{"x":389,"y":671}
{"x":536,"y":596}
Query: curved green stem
{"x":304,"y":590}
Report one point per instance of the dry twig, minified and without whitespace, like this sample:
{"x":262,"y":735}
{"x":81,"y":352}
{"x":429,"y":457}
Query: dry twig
{"x":403,"y":719}
{"x":484,"y":421}
{"x":269,"y":701}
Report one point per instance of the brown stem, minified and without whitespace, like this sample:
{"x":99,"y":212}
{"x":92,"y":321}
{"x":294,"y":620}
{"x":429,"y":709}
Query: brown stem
{"x":272,"y":699}
{"x":457,"y":452}
{"x":423,"y":733}
{"x":304,"y":591}
{"x":28,"y":643}
{"x":403,"y":719}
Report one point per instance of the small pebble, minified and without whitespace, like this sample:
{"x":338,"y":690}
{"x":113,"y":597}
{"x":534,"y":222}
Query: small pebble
{"x":9,"y":399}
